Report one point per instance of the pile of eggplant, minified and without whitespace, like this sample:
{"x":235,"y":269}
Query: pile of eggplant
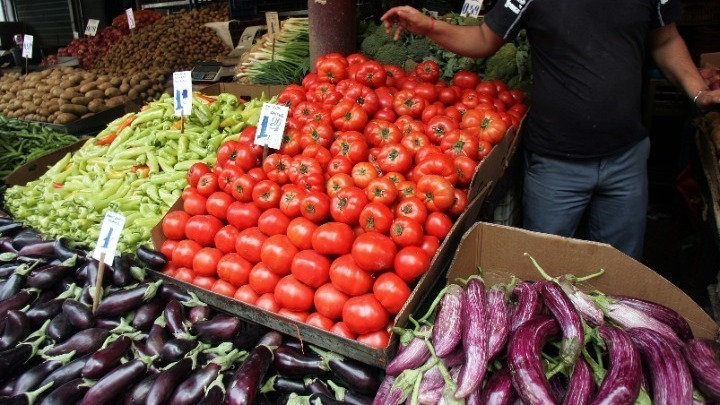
{"x":146,"y":342}
{"x":548,"y":342}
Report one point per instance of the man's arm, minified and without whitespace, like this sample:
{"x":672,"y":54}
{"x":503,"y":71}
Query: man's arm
{"x":471,"y":40}
{"x":673,"y":58}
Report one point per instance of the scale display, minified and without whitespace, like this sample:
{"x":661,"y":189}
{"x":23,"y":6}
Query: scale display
{"x":206,"y":72}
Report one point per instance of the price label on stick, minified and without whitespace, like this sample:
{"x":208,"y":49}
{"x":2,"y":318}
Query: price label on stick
{"x":471,"y":8}
{"x":182,"y":93}
{"x":271,"y":125}
{"x":92,"y":27}
{"x":110,"y":230}
{"x":27,"y":46}
{"x":273,"y":23}
{"x":130,"y":18}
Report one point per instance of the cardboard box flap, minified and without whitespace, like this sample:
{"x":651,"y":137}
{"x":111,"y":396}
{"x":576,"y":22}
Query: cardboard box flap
{"x":499,"y":251}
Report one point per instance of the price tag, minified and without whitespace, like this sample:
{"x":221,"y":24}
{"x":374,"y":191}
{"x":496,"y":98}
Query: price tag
{"x":92,"y":27}
{"x":271,"y":125}
{"x":110,"y":230}
{"x":433,"y":14}
{"x":27,"y":46}
{"x":273,"y":23}
{"x":471,"y":8}
{"x":182,"y":90}
{"x":130,"y":18}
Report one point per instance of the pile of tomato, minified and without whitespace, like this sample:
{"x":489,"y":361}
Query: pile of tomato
{"x":336,"y":227}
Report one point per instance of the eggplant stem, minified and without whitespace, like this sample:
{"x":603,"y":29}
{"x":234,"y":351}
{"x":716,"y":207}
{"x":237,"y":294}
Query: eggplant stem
{"x":8,"y":256}
{"x":64,"y":358}
{"x":588,"y":277}
{"x":32,"y":396}
{"x":540,"y":270}
{"x":194,"y":301}
{"x":434,"y":304}
{"x":414,"y":399}
{"x":337,"y":390}
{"x":441,"y":366}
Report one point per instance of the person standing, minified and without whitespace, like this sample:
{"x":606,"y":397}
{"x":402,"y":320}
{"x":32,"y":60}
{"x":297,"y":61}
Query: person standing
{"x":585,"y":146}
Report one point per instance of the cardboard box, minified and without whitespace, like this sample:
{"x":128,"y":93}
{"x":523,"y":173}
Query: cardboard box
{"x":712,"y":58}
{"x":246,"y":91}
{"x":325,"y":339}
{"x":499,"y":251}
{"x":492,"y":168}
{"x":35,"y":168}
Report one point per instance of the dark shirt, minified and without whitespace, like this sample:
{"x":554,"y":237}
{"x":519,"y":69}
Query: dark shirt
{"x":587,"y":63}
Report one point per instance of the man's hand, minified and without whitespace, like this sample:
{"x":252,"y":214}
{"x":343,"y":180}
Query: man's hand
{"x":406,"y":18}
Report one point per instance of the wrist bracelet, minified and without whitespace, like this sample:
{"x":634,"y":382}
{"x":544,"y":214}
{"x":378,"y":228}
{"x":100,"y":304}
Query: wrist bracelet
{"x":432,"y":26}
{"x":694,"y":99}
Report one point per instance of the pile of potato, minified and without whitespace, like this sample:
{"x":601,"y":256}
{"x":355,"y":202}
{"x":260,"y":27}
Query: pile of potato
{"x":63,"y":95}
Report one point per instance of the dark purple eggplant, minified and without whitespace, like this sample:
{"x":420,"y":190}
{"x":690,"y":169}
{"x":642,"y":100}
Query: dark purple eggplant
{"x":27,"y":236}
{"x":287,"y":385}
{"x":291,"y":362}
{"x":81,"y":273}
{"x":17,"y":328}
{"x":175,"y":349}
{"x":660,"y":312}
{"x":569,"y":320}
{"x":317,"y":386}
{"x":107,"y":323}
{"x":175,"y":319}
{"x":250,"y":373}
{"x":120,"y":271}
{"x":60,"y":328}
{"x":523,"y":356}
{"x":414,"y":355}
{"x":358,"y":376}
{"x":474,"y":339}
{"x":219,"y":329}
{"x":83,"y":342}
{"x":323,"y":399}
{"x":528,"y":305}
{"x":11,"y":230}
{"x":114,"y":384}
{"x":581,"y":387}
{"x":169,"y":291}
{"x":43,"y":249}
{"x":447,"y":332}
{"x":247,"y":339}
{"x":64,"y":252}
{"x":199,"y":313}
{"x":193,"y":388}
{"x":138,"y":394}
{"x":6,"y":244}
{"x":31,"y":379}
{"x":156,"y":338}
{"x":168,"y":380}
{"x":24,"y":398}
{"x":670,"y":376}
{"x":215,"y":393}
{"x":499,"y":389}
{"x":79,"y":314}
{"x":106,"y":359}
{"x":701,"y":356}
{"x":152,"y":258}
{"x":621,"y":383}
{"x":6,"y":269}
{"x":15,"y":282}
{"x":147,"y":313}
{"x":123,"y":301}
{"x":41,"y":312}
{"x":49,"y":275}
{"x":68,"y":393}
{"x":67,"y":372}
{"x":12,"y":358}
{"x":498,"y":324}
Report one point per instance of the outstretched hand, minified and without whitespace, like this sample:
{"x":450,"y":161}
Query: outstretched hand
{"x":408,"y":19}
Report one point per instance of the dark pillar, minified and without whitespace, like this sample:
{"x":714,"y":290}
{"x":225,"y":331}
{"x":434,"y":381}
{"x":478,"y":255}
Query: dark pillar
{"x":332,"y":27}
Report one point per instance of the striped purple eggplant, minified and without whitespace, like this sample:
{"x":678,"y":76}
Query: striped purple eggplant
{"x":582,"y":302}
{"x":581,"y":387}
{"x":431,"y":387}
{"x":621,"y":383}
{"x":702,"y":358}
{"x":626,"y":317}
{"x":523,"y":356}
{"x":387,"y":395}
{"x":498,"y":324}
{"x":669,"y":374}
{"x":447,"y":331}
{"x":569,"y":320}
{"x":528,"y":304}
{"x":666,"y":315}
{"x":475,"y":338}
{"x":499,"y":389}
{"x":413,"y":355}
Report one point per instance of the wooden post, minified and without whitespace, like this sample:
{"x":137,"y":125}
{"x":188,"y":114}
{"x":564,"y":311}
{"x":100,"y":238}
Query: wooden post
{"x":332,"y":28}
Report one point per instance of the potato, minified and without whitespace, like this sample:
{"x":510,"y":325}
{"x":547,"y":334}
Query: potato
{"x":87,"y":87}
{"x":115,"y":101}
{"x":96,"y":105}
{"x":124,"y":88}
{"x":112,"y":92}
{"x":56,"y":91}
{"x":81,"y":100}
{"x":116,"y":81}
{"x":93,"y":94}
{"x":69,"y":94}
{"x":64,"y":118}
{"x":104,"y":86}
{"x":74,"y":109}
{"x":133,"y":94}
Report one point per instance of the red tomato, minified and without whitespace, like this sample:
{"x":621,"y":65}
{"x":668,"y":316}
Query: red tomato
{"x":243,"y":215}
{"x":202,"y":229}
{"x":429,"y":162}
{"x":267,"y":302}
{"x":347,"y":204}
{"x":227,"y":176}
{"x":465,"y":168}
{"x":465,"y":79}
{"x":438,"y":127}
{"x":319,"y":321}
{"x":492,"y":127}
{"x":373,"y":251}
{"x":363,"y":96}
{"x":364,"y":314}
{"x":338,"y":165}
{"x":296,"y":316}
{"x":311,"y":268}
{"x":168,"y":247}
{"x":266,"y":194}
{"x":258,"y":174}
{"x":411,"y":208}
{"x":300,"y":231}
{"x":248,"y":244}
{"x":376,"y":217}
{"x":488,"y":88}
{"x":415,"y":140}
{"x":406,"y":232}
{"x":293,"y":295}
{"x":185,"y":274}
{"x":459,"y":204}
{"x":319,"y":153}
{"x":217,"y":204}
{"x":291,"y":97}
{"x":206,"y":260}
{"x":337,"y":182}
{"x":234,"y":269}
{"x":411,"y":262}
{"x":329,"y":301}
{"x":222,"y":287}
{"x":430,"y":245}
{"x":225,"y":238}
{"x":185,"y":252}
{"x":438,"y":224}
{"x":348,"y":277}
{"x":316,"y":133}
{"x":276,"y":166}
{"x":436,"y":192}
{"x":273,"y":222}
{"x":277,"y":253}
{"x":290,"y":201}
{"x":407,"y":102}
{"x":342,"y":330}
{"x":395,"y":158}
{"x":246,"y":294}
{"x":207,"y":184}
{"x":262,"y":280}
{"x":195,"y":171}
{"x":356,"y":59}
{"x":354,"y":148}
{"x":392,"y":292}
{"x":204,"y":281}
{"x":194,"y":204}
{"x":348,"y":116}
{"x":393,"y":72}
{"x":428,"y":71}
{"x":382,"y":190}
{"x":460,"y":143}
{"x":372,"y":74}
{"x":378,"y":339}
{"x":315,"y":206}
{"x":448,"y":96}
{"x":363,"y":173}
{"x":241,"y":188}
{"x":406,"y":189}
{"x":333,"y":238}
{"x":173,"y":224}
{"x":331,"y":70}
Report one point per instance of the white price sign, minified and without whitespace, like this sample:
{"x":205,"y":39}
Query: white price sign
{"x":273,"y":23}
{"x":271,"y":125}
{"x":27,"y":46}
{"x":471,"y":8}
{"x":182,"y":93}
{"x":130,"y":18}
{"x":92,"y":27}
{"x":110,"y":230}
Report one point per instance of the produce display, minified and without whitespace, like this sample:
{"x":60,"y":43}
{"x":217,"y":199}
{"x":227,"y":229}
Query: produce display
{"x":549,"y":342}
{"x":63,"y":95}
{"x":336,"y":227}
{"x":136,"y":166}
{"x":146,"y":342}
{"x":283,"y":60}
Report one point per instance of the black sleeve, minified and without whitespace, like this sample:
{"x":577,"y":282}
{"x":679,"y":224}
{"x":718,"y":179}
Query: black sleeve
{"x":508,"y":17}
{"x":667,"y":12}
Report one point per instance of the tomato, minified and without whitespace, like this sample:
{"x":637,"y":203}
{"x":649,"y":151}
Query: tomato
{"x":363,"y":96}
{"x":300,"y":231}
{"x":247,"y":137}
{"x":291,"y":97}
{"x":432,"y":163}
{"x":302,"y":166}
{"x":381,"y":190}
{"x":373,"y":251}
{"x":465,"y":168}
{"x":337,"y":182}
{"x":168,"y":247}
{"x":406,"y":189}
{"x":407,"y":102}
{"x":431,"y":111}
{"x":273,"y":222}
{"x":316,"y":133}
{"x":204,"y":281}
{"x":319,"y":321}
{"x":465,"y":79}
{"x":347,"y":115}
{"x":430,"y":245}
{"x":241,"y":188}
{"x":438,"y":127}
{"x":276,"y":167}
{"x":376,"y":217}
{"x":225,"y":151}
{"x":412,"y":208}
{"x":507,"y":98}
{"x":319,"y":153}
{"x":414,"y":141}
{"x":339,"y":164}
{"x":393,"y":72}
{"x":348,"y":277}
{"x":243,"y":215}
{"x":195,"y":172}
{"x":262,"y":279}
{"x":258,"y":174}
{"x":459,"y":204}
{"x":311,"y":268}
{"x":347,"y":204}
{"x":436,"y":192}
{"x":448,"y":96}
{"x":395,"y":177}
{"x":372,"y":74}
{"x":486,"y":87}
{"x":266,"y":194}
{"x":460,"y":143}
{"x":492,"y":127}
{"x":248,"y":244}
{"x":202,"y":229}
{"x":395,"y":158}
{"x":222,"y":287}
{"x":225,"y":239}
{"x":406,"y":232}
{"x":207,"y":184}
{"x":277,"y":253}
{"x":438,"y":224}
{"x":331,"y":70}
{"x":329,"y":301}
{"x":295,"y":316}
{"x":290,"y":144}
{"x":364,"y":314}
{"x":355,"y":149}
{"x":173,"y":224}
{"x":315,"y":206}
{"x":184,"y":253}
{"x":267,"y":302}
{"x":428,"y":71}
{"x":217,"y":204}
{"x":234,"y":269}
{"x":362,"y":173}
{"x":246,"y":294}
{"x":293,"y":295}
{"x":333,"y":238}
{"x":411,"y":262}
{"x":232,"y":153}
{"x":391,"y":291}
{"x":342,"y":330}
{"x":227,"y":176}
{"x":378,"y":339}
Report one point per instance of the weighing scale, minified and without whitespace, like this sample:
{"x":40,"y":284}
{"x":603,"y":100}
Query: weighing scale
{"x":224,"y":70}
